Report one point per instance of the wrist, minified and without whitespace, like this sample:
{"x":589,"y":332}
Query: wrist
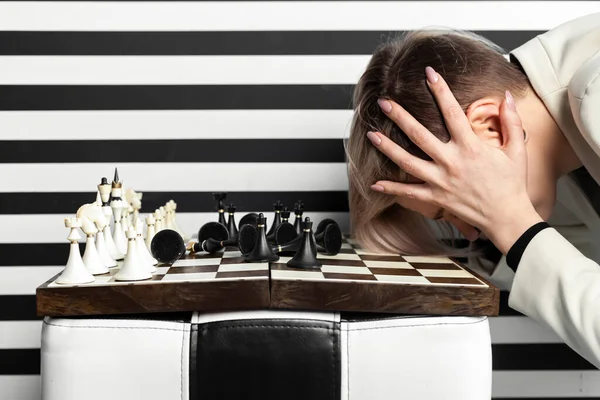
{"x":506,"y":231}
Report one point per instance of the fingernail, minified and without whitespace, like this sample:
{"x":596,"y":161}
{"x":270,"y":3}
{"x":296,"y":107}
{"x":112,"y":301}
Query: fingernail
{"x":510,"y":102}
{"x":376,"y":140}
{"x":385,"y":105}
{"x":432,"y":76}
{"x":377,"y":188}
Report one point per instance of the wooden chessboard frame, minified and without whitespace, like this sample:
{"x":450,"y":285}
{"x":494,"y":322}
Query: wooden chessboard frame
{"x":157,"y":294}
{"x":244,"y":294}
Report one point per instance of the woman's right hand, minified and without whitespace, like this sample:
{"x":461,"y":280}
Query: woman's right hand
{"x":483,"y":185}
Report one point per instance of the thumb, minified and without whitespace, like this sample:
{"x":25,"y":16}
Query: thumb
{"x":512,"y":128}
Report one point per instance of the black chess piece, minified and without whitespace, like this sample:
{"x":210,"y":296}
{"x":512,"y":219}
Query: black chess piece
{"x":262,"y":251}
{"x":231,"y":227}
{"x":247,"y":238}
{"x":277,"y":208}
{"x":167,"y":246}
{"x":328,"y":237}
{"x":329,"y":241}
{"x":285,"y":215}
{"x":298,"y":211}
{"x":219,"y":198}
{"x":306,"y":256}
{"x":284,"y":233}
{"x":249,"y":219}
{"x":213,"y":237}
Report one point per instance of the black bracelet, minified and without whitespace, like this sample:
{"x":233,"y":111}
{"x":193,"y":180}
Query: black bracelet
{"x":513,"y":257}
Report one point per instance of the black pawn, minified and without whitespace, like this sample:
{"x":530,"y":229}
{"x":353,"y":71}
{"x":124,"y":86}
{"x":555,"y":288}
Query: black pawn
{"x":167,"y":246}
{"x":306,"y":256}
{"x":231,"y":226}
{"x":329,"y":237}
{"x":219,"y":197}
{"x":298,"y":211}
{"x":285,"y":215}
{"x":262,"y":251}
{"x":277,"y":207}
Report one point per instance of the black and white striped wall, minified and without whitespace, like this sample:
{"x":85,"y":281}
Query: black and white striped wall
{"x":187,"y":98}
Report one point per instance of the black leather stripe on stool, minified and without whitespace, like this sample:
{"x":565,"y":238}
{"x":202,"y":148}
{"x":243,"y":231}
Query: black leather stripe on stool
{"x":265,"y":359}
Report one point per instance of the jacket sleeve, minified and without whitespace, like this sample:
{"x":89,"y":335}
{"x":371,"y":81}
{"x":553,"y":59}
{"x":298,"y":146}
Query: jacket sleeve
{"x":584,"y":99}
{"x":555,"y":284}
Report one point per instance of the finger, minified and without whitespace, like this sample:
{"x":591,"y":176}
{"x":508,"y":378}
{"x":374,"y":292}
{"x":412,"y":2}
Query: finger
{"x":422,"y":169}
{"x":411,"y":191}
{"x":456,"y":121}
{"x":512,"y":127}
{"x":416,"y":132}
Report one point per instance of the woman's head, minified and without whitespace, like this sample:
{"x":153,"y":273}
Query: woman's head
{"x":478,"y":75}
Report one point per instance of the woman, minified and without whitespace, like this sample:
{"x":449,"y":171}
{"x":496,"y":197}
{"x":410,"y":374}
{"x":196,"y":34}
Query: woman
{"x":448,"y":128}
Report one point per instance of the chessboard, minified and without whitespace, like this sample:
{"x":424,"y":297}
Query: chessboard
{"x":357,"y":280}
{"x":352,"y":280}
{"x":129,"y":268}
{"x":196,"y":282}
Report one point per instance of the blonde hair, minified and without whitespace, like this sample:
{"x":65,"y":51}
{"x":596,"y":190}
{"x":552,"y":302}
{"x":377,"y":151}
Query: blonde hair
{"x":474,"y":68}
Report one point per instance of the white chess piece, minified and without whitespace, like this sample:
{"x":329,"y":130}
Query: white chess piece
{"x":104,"y":189}
{"x":158,"y":221}
{"x":125,"y":218}
{"x":75,"y":271}
{"x":142,"y":250}
{"x":134,"y":267}
{"x":168,"y":216}
{"x":163,"y":215}
{"x":108,"y":239}
{"x":173,"y":207}
{"x":150,"y":231}
{"x":130,"y":215}
{"x":135,"y":199}
{"x":105,"y":256}
{"x":91,"y":258}
{"x":118,"y":234}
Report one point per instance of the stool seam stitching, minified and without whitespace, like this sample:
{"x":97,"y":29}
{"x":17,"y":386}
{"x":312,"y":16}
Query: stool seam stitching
{"x":264,"y":326}
{"x":414,"y":326}
{"x":333,"y":344}
{"x":348,"y":361}
{"x":181,"y":360}
{"x":114,"y":327}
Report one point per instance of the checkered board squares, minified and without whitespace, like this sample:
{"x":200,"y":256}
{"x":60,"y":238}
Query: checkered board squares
{"x":361,"y":281}
{"x":228,"y":265}
{"x":199,"y":282}
{"x":360,"y":266}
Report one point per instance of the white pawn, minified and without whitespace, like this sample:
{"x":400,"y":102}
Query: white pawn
{"x":105,"y":256}
{"x":134,"y":267}
{"x":118,"y":234}
{"x":75,"y":271}
{"x":150,"y":231}
{"x":158,"y":221}
{"x":125,"y":218}
{"x":168,"y":216}
{"x":142,"y":250}
{"x":163,"y":215}
{"x":108,"y":239}
{"x":173,"y":207}
{"x":91,"y":258}
{"x":104,"y":190}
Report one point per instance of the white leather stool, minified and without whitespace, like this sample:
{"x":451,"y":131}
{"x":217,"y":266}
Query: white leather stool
{"x":266,"y":355}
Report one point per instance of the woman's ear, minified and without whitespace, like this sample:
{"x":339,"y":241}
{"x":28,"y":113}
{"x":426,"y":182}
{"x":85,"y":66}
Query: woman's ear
{"x":484,"y":116}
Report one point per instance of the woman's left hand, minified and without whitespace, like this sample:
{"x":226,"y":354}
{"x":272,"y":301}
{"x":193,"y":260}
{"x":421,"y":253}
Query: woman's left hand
{"x":483,"y":185}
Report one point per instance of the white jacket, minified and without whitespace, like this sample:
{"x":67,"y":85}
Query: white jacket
{"x":557,"y":282}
